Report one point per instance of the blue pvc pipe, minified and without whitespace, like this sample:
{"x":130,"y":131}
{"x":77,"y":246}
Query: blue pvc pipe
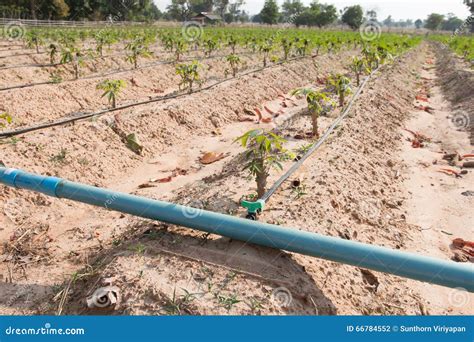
{"x":431,"y":270}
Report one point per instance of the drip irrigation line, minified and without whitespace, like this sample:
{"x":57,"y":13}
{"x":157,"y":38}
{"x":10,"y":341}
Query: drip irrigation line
{"x":119,"y":71}
{"x":48,"y":65}
{"x":82,"y":116}
{"x":17,"y":49}
{"x":317,"y":144}
{"x":23,"y":54}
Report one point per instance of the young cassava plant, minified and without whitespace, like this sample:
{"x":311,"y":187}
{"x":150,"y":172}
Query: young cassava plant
{"x":75,"y":56}
{"x":34,"y":40}
{"x":266,"y":49}
{"x":180,"y":49}
{"x":111,"y":89}
{"x":359,"y":66}
{"x":53,"y":51}
{"x":234,"y":62}
{"x":189,"y":74}
{"x":209,"y":47}
{"x":137,"y":48}
{"x":286,"y":45}
{"x":340,"y":84}
{"x":264,"y":152}
{"x":318,"y":104}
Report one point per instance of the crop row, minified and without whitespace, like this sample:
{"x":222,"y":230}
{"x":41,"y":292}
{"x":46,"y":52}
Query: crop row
{"x":75,"y":45}
{"x":462,"y":45}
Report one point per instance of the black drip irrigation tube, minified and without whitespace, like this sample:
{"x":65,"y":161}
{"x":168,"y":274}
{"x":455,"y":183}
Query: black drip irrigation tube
{"x":22,"y":66}
{"x":256,"y":207}
{"x":48,"y":65}
{"x":118,"y":71}
{"x":82,"y":116}
{"x":23,"y":54}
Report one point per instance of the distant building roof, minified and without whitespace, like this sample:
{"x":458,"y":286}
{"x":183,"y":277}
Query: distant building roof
{"x":208,"y":15}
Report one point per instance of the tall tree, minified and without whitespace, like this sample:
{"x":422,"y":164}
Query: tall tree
{"x":221,"y":7}
{"x":235,"y":12}
{"x":81,"y":9}
{"x":451,"y":23}
{"x":372,"y":15}
{"x":198,"y":6}
{"x":434,"y":21}
{"x":179,"y":10}
{"x":418,"y":23}
{"x":353,"y":16}
{"x":290,"y":9}
{"x":470,"y":4}
{"x":388,"y":21}
{"x":317,"y":15}
{"x":270,"y":12}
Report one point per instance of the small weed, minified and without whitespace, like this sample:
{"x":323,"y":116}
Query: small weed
{"x":304,"y":149}
{"x":177,"y":304}
{"x":55,"y":78}
{"x":59,"y":158}
{"x":254,"y":304}
{"x":139,"y":249}
{"x":228,"y":301}
{"x":299,"y":191}
{"x":5,"y":119}
{"x":12,"y":141}
{"x":83,"y":161}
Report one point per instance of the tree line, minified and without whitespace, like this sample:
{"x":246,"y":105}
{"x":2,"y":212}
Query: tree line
{"x":291,"y":12}
{"x":119,"y":10}
{"x":318,"y":14}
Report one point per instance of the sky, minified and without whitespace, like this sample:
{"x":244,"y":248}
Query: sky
{"x":399,"y":9}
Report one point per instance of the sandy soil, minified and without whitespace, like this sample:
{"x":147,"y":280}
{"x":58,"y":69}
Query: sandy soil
{"x":355,"y":187}
{"x":47,"y":102}
{"x":435,"y":201}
